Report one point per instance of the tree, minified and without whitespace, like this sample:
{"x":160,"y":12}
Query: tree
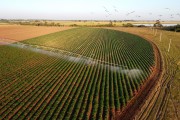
{"x":45,"y":23}
{"x":110,"y":23}
{"x":158,"y":24}
{"x":128,"y":25}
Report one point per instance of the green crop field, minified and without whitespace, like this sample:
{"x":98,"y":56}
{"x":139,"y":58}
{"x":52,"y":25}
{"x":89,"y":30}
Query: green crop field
{"x":94,"y":73}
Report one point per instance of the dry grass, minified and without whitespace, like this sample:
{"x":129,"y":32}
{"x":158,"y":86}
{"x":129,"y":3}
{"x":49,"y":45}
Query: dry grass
{"x":20,"y":32}
{"x":117,"y":23}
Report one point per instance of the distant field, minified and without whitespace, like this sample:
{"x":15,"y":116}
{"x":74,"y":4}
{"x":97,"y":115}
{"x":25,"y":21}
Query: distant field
{"x":19,"y":32}
{"x":1,"y":23}
{"x":89,"y":23}
{"x":116,"y":23}
{"x":97,"y":76}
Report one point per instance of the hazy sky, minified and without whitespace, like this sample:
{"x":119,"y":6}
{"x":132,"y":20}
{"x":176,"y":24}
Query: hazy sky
{"x":90,"y":9}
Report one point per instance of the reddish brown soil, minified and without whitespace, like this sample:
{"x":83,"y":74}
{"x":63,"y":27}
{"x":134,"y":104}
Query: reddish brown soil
{"x":20,"y":32}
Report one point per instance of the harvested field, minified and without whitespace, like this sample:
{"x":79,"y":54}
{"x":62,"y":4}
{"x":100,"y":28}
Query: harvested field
{"x":20,"y":32}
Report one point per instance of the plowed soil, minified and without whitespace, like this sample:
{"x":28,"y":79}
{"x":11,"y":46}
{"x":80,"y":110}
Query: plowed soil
{"x":20,"y":32}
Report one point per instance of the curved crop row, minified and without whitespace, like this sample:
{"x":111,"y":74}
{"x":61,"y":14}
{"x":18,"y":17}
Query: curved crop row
{"x":39,"y":86}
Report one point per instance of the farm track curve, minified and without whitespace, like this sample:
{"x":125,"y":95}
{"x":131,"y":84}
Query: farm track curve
{"x":136,"y":103}
{"x":155,"y":106}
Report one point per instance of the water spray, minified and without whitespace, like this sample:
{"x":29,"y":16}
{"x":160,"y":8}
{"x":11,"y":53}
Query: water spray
{"x":74,"y":57}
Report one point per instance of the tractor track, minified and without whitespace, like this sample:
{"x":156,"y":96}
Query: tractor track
{"x":135,"y":105}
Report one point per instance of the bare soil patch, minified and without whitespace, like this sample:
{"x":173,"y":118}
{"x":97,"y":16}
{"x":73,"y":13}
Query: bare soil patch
{"x":20,"y":32}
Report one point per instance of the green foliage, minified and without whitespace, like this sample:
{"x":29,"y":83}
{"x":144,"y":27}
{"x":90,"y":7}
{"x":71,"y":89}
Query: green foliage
{"x":158,"y":24}
{"x":39,"y":86}
{"x":4,"y":21}
{"x":172,"y":28}
{"x":128,"y":25}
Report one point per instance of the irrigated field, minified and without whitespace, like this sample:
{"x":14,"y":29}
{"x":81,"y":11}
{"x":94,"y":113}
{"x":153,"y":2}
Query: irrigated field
{"x":82,"y":73}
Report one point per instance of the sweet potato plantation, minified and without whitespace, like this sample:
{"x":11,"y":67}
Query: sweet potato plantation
{"x":98,"y":73}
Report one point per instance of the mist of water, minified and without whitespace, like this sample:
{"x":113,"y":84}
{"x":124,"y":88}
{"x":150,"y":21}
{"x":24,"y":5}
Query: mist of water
{"x":3,"y":43}
{"x":132,"y":73}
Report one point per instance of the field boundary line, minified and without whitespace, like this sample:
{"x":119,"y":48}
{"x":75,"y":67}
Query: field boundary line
{"x":135,"y":105}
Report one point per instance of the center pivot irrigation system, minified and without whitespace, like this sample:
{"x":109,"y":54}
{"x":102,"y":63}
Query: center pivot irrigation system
{"x":98,"y":75}
{"x":71,"y":56}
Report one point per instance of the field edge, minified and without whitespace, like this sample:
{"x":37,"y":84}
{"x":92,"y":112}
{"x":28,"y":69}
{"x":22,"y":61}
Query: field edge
{"x":135,"y":105}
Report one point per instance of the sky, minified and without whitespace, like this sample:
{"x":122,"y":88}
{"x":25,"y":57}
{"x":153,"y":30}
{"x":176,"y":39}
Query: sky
{"x":90,"y":9}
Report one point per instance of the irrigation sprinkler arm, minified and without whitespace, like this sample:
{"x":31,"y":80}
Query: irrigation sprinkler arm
{"x":69,"y":53}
